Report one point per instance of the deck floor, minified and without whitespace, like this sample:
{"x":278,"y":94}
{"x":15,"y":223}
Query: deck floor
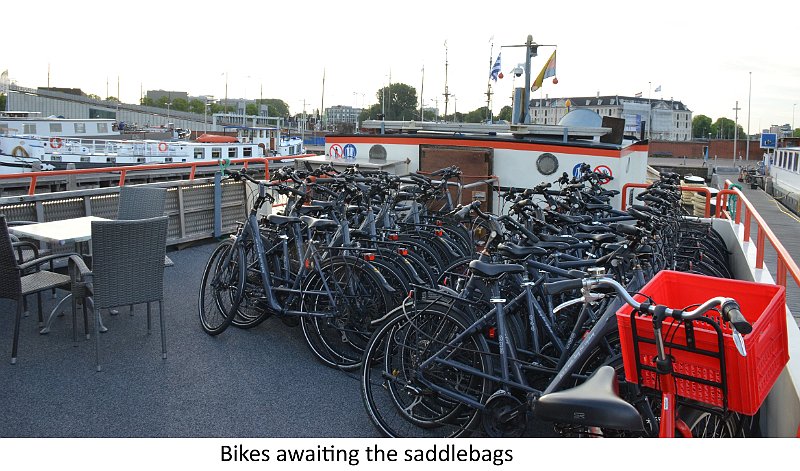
{"x":786,"y":227}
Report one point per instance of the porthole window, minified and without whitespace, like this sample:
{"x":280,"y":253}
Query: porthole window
{"x":547,"y":164}
{"x":377,"y":152}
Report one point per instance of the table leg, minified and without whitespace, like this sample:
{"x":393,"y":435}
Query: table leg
{"x":57,"y":309}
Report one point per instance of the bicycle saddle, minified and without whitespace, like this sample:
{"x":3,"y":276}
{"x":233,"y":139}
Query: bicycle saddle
{"x":314,"y":223}
{"x":593,"y":403}
{"x":594,"y":227}
{"x":494,"y":270}
{"x":518,"y":252}
{"x":596,"y":238}
{"x":558,"y":238}
{"x":281,"y":220}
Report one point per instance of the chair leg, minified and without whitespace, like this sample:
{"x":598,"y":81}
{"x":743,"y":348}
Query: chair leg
{"x":149,"y":319}
{"x":96,"y":313}
{"x":15,"y":344}
{"x":74,"y":321}
{"x":85,"y":310}
{"x":163,"y":333}
{"x":39,"y":301}
{"x":131,"y":313}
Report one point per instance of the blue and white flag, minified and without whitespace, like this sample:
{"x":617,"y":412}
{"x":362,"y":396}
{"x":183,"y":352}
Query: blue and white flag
{"x":495,"y":69}
{"x":658,"y":89}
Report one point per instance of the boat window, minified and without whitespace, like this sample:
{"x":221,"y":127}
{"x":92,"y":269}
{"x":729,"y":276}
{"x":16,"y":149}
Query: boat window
{"x":794,"y":167}
{"x":140,"y":160}
{"x":80,"y":128}
{"x":199,"y":152}
{"x":216,"y":152}
{"x":231,"y":152}
{"x":55,"y":127}
{"x":111,"y":160}
{"x":85,"y":159}
{"x":167,"y":160}
{"x":29,"y":128}
{"x":102,"y":127}
{"x":248,"y":151}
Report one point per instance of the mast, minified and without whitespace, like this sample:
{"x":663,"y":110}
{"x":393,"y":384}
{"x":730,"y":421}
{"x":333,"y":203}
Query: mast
{"x":446,"y":91}
{"x":323,"y":99}
{"x":489,"y":82}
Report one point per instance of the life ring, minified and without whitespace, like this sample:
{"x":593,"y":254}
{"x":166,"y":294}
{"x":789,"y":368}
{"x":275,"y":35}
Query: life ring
{"x":162,"y":147}
{"x":55,"y":142}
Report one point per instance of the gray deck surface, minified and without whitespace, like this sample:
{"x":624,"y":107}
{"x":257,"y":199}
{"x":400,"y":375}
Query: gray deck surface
{"x":262,"y":382}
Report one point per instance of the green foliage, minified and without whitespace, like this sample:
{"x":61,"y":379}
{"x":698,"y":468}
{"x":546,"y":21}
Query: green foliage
{"x":724,"y":128}
{"x":701,"y":126}
{"x":477,"y":116}
{"x":251,"y":109}
{"x":3,"y":102}
{"x":196,"y":106}
{"x":93,"y":96}
{"x":180,"y":104}
{"x":277,"y":107}
{"x":505,"y":114}
{"x":796,"y":133}
{"x":401,"y":102}
{"x":112,"y":99}
{"x":147,"y":101}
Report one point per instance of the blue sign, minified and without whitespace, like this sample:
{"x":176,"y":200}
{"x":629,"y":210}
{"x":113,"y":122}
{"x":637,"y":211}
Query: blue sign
{"x":576,"y":170}
{"x":769,"y":140}
{"x":349,"y":152}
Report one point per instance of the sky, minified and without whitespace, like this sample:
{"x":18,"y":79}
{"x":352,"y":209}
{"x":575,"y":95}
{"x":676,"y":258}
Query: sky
{"x":707,"y":54}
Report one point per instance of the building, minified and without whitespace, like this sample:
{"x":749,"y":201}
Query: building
{"x":342,"y":115}
{"x":668,"y":120}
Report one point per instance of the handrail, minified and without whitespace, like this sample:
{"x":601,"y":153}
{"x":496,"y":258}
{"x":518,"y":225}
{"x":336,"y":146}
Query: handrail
{"x":745,"y":210}
{"x":123,"y":170}
{"x":744,"y":214}
{"x":702,"y":189}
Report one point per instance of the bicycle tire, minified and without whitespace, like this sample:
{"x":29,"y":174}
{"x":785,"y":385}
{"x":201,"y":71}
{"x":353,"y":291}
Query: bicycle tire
{"x":220,"y":284}
{"x":398,"y":404}
{"x":339,"y":340}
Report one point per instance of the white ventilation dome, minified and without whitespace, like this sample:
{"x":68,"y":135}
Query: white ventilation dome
{"x":582,"y":118}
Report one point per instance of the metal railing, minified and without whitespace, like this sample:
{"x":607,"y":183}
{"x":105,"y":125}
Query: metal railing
{"x":744,"y":213}
{"x":124,"y":170}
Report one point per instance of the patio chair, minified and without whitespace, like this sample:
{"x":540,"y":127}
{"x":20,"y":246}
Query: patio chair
{"x":127,"y":269}
{"x":141,"y":202}
{"x":19,"y":280}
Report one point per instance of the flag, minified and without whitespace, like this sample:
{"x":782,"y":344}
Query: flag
{"x":638,"y":94}
{"x":549,"y":70}
{"x":658,"y":89}
{"x":495,"y":69}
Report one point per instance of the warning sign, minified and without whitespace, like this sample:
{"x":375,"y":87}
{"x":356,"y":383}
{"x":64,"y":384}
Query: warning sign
{"x":335,"y":151}
{"x":606,"y":170}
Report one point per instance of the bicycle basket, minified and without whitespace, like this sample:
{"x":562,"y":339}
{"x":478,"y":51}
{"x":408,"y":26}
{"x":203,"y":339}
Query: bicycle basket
{"x":698,"y":365}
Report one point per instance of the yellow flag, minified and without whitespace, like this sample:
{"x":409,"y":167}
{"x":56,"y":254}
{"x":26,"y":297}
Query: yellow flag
{"x":549,"y":70}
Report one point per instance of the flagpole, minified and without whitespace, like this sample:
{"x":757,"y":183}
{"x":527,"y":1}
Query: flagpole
{"x":749,"y":91}
{"x":649,"y":112}
{"x":489,"y":82}
{"x":421,"y":101}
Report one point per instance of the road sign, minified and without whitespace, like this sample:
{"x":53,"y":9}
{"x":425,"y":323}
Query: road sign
{"x":349,"y":152}
{"x":769,"y":140}
{"x":576,"y":170}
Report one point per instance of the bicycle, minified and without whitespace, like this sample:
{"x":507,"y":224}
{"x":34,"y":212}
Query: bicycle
{"x":594,"y":408}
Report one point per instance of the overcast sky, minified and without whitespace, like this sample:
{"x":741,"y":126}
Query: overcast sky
{"x":698,"y":52}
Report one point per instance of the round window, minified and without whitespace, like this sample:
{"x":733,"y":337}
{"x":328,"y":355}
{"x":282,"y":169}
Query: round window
{"x":377,"y":152}
{"x":547,"y":164}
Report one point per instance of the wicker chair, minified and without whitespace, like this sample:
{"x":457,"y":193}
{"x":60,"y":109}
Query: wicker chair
{"x":19,"y":280}
{"x":141,"y":202}
{"x":127,"y":269}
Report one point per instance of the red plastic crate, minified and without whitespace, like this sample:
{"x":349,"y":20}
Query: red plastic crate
{"x":750,"y":378}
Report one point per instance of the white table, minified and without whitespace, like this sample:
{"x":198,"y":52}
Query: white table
{"x":77,"y":230}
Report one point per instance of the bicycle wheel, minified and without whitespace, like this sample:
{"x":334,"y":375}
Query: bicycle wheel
{"x":219,"y":288}
{"x":404,"y":400}
{"x":252,"y":309}
{"x":708,"y":424}
{"x":359,"y":297}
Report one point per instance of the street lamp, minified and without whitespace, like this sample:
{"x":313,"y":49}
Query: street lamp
{"x":793,"y":105}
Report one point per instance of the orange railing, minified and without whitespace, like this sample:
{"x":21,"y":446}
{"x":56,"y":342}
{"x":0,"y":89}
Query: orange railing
{"x":745,"y":213}
{"x":745,"y":210}
{"x":124,"y":170}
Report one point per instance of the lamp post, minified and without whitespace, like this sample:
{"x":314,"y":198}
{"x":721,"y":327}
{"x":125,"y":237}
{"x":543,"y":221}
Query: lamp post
{"x":455,"y":107}
{"x":793,"y":106}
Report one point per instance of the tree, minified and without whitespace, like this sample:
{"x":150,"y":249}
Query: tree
{"x":701,"y":126}
{"x":724,"y":128}
{"x":401,"y":101}
{"x":197,"y":106}
{"x":277,"y":107}
{"x":180,"y":104}
{"x":477,"y":116}
{"x":147,"y":101}
{"x":93,"y":96}
{"x":796,"y":133}
{"x":2,"y":102}
{"x":505,"y":114}
{"x":112,"y":99}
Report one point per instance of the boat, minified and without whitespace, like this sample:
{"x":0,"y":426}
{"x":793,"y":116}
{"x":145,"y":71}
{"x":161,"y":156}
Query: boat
{"x":784,"y":168}
{"x":23,"y":152}
{"x":519,"y":155}
{"x":29,"y":123}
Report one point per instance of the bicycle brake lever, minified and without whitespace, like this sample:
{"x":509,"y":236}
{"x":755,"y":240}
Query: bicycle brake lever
{"x":738,"y":340}
{"x":588,"y":297}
